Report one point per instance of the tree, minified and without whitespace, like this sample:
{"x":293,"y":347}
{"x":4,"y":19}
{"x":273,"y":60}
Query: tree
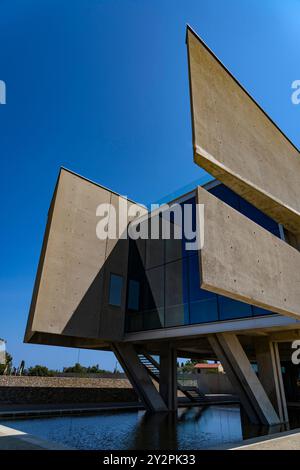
{"x":40,"y":371}
{"x":8,"y":363}
{"x":76,"y":369}
{"x":79,"y":369}
{"x":94,"y":370}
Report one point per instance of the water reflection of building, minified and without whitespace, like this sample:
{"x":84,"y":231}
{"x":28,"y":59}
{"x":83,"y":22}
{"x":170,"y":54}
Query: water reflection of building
{"x":207,"y":367}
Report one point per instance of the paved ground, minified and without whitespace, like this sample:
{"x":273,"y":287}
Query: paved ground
{"x":289,"y":440}
{"x":11,"y":439}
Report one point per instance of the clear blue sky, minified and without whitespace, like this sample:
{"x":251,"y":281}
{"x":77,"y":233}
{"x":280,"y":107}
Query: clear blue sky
{"x":101,"y":87}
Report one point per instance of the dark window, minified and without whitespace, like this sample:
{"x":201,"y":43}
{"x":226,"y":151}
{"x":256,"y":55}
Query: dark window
{"x":226,"y":195}
{"x":154,"y":252}
{"x":154,"y":287}
{"x":175,"y":294}
{"x":189,"y":217}
{"x":152,"y":298}
{"x":230,"y":309}
{"x":115,"y":290}
{"x":203,"y":304}
{"x":133,"y":302}
{"x":257,"y":311}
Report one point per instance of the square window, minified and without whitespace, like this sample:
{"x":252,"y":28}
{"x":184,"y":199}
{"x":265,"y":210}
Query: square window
{"x":115,"y":290}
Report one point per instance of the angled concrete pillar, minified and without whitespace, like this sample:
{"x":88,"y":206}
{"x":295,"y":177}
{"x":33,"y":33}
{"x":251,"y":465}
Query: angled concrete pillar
{"x":168,"y":376}
{"x":265,"y":366}
{"x":139,"y":377}
{"x":243,"y":378}
{"x":270,"y":376}
{"x":279,"y":382}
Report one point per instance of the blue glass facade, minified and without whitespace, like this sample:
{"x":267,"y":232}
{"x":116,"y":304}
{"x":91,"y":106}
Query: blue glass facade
{"x":166,"y":276}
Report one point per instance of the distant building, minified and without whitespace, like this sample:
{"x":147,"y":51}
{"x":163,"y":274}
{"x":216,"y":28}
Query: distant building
{"x":2,"y":351}
{"x":235,"y":298}
{"x":201,"y":367}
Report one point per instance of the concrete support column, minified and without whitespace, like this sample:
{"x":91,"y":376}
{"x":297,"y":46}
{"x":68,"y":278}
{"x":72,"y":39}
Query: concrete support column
{"x":270,"y":375}
{"x":168,"y":376}
{"x":243,"y":379}
{"x":139,"y":377}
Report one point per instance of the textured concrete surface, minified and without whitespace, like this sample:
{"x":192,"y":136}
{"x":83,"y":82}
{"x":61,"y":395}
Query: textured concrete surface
{"x":237,"y":142}
{"x":70,"y":304}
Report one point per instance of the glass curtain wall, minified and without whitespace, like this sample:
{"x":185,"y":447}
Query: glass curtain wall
{"x":164,"y":280}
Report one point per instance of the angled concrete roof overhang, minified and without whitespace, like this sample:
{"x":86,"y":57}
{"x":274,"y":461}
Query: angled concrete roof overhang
{"x":237,"y":142}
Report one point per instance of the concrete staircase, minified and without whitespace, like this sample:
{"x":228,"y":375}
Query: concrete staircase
{"x":152,"y":366}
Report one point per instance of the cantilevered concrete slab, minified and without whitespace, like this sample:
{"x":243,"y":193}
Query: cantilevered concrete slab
{"x":70,"y":305}
{"x":242,"y":260}
{"x":238,"y":143}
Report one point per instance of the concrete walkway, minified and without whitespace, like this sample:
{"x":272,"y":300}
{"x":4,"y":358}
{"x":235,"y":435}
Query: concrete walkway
{"x":12,"y":439}
{"x":289,"y":440}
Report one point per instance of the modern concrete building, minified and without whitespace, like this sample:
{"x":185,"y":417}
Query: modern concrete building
{"x":234,"y":298}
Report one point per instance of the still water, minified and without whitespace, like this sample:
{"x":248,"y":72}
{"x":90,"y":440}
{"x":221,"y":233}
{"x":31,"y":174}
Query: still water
{"x":189,"y":428}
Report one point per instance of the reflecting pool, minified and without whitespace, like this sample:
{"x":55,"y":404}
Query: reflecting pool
{"x":189,"y":428}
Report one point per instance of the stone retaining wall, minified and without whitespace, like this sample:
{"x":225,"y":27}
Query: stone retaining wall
{"x":33,"y":390}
